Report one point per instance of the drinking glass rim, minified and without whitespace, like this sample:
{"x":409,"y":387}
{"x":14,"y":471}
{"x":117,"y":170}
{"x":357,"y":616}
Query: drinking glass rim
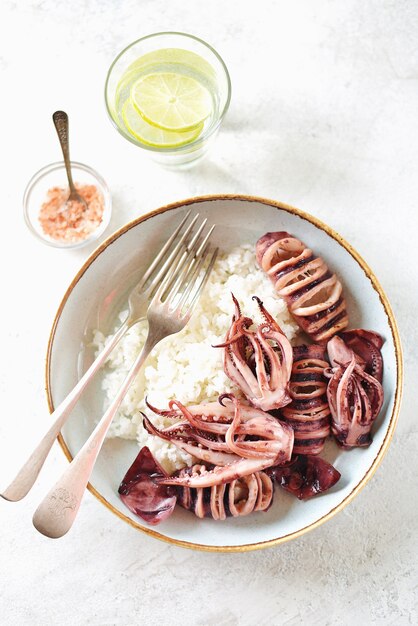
{"x":199,"y":139}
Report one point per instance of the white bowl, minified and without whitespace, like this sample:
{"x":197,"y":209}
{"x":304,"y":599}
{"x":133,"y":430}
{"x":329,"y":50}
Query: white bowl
{"x":97,"y":293}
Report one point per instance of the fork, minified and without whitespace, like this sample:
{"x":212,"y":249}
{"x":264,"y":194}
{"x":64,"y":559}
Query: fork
{"x":168,"y":313}
{"x":138,"y":300}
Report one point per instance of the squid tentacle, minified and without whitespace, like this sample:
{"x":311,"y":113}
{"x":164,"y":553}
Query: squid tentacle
{"x":258,"y":360}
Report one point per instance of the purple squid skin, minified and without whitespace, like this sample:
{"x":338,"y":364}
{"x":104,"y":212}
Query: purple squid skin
{"x":140,"y":490}
{"x":308,"y":413}
{"x":312,"y":292}
{"x":238,"y":441}
{"x":142,"y":494}
{"x":258,"y":360}
{"x":254,"y":493}
{"x":305,"y":476}
{"x":355,"y":396}
{"x":367,"y":345}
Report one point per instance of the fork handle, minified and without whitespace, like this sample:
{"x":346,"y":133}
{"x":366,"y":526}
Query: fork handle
{"x":58,"y":510}
{"x":27,"y":475}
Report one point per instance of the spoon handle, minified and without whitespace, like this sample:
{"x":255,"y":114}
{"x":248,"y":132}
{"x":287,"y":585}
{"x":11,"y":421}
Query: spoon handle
{"x":60,"y":119}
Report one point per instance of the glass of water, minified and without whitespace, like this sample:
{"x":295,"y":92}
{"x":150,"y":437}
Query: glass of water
{"x":168,"y":93}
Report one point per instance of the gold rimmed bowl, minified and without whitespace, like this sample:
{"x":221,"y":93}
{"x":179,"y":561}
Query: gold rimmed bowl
{"x":95,"y":297}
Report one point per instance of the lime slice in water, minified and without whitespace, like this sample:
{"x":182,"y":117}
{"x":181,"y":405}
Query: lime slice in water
{"x":171,"y":101}
{"x":152,"y":135}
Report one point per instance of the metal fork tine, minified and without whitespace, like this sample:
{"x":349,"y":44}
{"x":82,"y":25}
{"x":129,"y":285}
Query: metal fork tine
{"x":174,"y":288}
{"x":185,"y":281}
{"x":189,"y":280}
{"x":172,"y":255}
{"x":185,"y":263}
{"x":199,"y":288}
{"x":163,"y":250}
{"x":197,"y":235}
{"x":200,"y":252}
{"x":184,"y":268}
{"x":176,"y":266}
{"x":205,"y":241}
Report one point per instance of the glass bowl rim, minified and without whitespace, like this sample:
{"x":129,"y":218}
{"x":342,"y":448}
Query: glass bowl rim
{"x":58,"y":165}
{"x":199,"y":139}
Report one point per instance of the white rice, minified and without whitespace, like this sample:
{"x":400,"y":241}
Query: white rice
{"x":186,"y":366}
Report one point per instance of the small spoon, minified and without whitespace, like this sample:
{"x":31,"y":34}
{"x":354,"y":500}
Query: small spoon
{"x":60,"y":119}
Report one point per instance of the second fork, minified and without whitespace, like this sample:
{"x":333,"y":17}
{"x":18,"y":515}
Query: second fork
{"x":168,"y":313}
{"x":172,"y":254}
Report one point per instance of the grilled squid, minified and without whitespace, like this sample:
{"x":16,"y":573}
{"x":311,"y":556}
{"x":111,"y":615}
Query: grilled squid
{"x":141,"y":493}
{"x":310,"y":289}
{"x":239,"y":497}
{"x":366,"y":344}
{"x":308,"y":413}
{"x":235,"y":439}
{"x":144,"y":493}
{"x":305,"y":476}
{"x":258,"y":360}
{"x":355,"y":396}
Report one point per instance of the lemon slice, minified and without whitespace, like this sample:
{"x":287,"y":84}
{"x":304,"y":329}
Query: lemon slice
{"x":171,"y":101}
{"x":153,"y":136}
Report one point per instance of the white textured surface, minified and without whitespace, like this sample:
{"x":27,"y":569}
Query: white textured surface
{"x":323,"y":116}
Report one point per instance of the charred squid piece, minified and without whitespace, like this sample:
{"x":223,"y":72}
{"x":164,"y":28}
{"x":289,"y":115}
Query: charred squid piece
{"x":355,"y":397}
{"x":245,"y":431}
{"x":237,"y":498}
{"x":258,"y":360}
{"x":239,"y":441}
{"x":367,"y":345}
{"x":308,"y":414}
{"x":311,"y":291}
{"x":141,"y":493}
{"x":305,"y":476}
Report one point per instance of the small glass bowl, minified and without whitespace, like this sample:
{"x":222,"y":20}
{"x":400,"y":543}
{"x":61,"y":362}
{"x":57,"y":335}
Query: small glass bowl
{"x":54,"y":175}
